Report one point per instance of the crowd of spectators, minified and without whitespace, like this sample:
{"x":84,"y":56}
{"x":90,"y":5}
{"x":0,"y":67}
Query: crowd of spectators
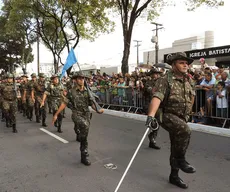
{"x":212,"y":86}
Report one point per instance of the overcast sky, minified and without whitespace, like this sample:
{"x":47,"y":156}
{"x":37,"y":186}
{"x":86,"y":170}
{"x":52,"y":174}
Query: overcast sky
{"x":178,"y":23}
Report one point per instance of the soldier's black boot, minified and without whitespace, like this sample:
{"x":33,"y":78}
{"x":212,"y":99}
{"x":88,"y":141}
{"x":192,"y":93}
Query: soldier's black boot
{"x":31,"y":115}
{"x":38,"y":119}
{"x":85,"y":158}
{"x":14,"y":128}
{"x":176,"y":180}
{"x":78,"y":138}
{"x":50,"y":111}
{"x":44,"y":123}
{"x":185,"y":166}
{"x":59,"y":127}
{"x":152,"y":141}
{"x":7,"y":123}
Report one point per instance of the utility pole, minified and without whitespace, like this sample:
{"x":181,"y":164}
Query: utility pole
{"x":155,"y":40}
{"x":38,"y":48}
{"x":137,"y":50}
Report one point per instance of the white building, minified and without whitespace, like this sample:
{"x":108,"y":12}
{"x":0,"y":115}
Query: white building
{"x":47,"y":68}
{"x":195,"y":47}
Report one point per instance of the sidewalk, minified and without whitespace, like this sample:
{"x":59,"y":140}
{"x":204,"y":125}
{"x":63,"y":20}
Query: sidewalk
{"x":195,"y":127}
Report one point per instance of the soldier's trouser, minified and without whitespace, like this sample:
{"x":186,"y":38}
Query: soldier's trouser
{"x":10,"y":108}
{"x":40,"y":112}
{"x":24,"y":108}
{"x":59,"y":118}
{"x":153,"y":135}
{"x":179,"y":133}
{"x":30,"y":107}
{"x":82,"y":123}
{"x":20,"y":105}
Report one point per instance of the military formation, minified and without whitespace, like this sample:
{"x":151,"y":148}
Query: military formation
{"x":170,"y":103}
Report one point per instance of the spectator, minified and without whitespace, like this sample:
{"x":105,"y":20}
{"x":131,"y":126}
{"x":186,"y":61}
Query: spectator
{"x":221,"y":100}
{"x":208,"y":84}
{"x":203,"y":64}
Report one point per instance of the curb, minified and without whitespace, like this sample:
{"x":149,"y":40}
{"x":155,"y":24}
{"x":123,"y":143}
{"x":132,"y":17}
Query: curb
{"x":195,"y":127}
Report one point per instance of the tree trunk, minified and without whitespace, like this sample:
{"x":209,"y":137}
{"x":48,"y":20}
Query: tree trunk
{"x":125,"y":59}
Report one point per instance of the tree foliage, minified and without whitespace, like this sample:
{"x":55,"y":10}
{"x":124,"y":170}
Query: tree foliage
{"x":130,"y":10}
{"x":62,"y":24}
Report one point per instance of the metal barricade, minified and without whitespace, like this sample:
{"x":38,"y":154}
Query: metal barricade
{"x":211,"y":105}
{"x":120,"y":98}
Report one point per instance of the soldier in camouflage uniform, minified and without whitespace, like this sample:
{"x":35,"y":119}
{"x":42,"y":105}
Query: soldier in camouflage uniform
{"x":1,"y":99}
{"x":149,"y":89}
{"x":176,"y":110}
{"x":37,"y":94}
{"x":9,"y":103}
{"x":55,"y":93}
{"x":23,"y":86}
{"x":78,"y":100}
{"x":29,"y":100}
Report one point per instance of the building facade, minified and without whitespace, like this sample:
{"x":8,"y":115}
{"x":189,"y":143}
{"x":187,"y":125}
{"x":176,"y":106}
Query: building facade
{"x":196,"y":47}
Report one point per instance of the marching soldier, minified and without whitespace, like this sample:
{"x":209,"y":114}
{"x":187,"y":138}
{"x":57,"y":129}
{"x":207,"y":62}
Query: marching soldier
{"x":9,"y":103}
{"x":36,"y":95}
{"x":149,"y":88}
{"x":78,"y":100}
{"x":175,"y":91}
{"x":29,"y":100}
{"x":23,"y":86}
{"x":55,"y":93}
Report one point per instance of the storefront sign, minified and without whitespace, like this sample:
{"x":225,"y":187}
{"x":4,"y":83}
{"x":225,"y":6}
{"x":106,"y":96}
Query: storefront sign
{"x":206,"y":53}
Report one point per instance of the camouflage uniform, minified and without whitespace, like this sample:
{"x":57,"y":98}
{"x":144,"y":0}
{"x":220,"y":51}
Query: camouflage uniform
{"x":55,"y":93}
{"x":29,"y":101}
{"x":23,"y":86}
{"x":177,"y":99}
{"x":79,"y":102}
{"x":149,"y":89}
{"x":9,"y":103}
{"x":39,"y":89}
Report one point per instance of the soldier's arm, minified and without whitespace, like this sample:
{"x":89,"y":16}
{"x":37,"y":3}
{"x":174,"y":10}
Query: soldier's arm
{"x":153,"y":107}
{"x":60,"y":109}
{"x":160,"y":90}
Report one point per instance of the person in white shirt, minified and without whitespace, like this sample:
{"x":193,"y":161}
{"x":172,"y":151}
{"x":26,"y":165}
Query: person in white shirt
{"x":221,"y":100}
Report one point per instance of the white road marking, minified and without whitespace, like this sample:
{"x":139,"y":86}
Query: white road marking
{"x":55,"y":136}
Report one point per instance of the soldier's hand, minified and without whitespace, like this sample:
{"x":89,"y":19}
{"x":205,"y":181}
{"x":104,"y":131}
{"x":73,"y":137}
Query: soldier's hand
{"x":54,"y":119}
{"x":151,"y":123}
{"x":101,"y":111}
{"x":42,"y":104}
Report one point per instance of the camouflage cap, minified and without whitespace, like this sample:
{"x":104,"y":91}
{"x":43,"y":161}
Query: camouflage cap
{"x":9,"y":75}
{"x":153,"y":71}
{"x":33,"y":75}
{"x":78,"y":74}
{"x":25,"y":75}
{"x":178,"y":56}
{"x":41,"y":75}
{"x":55,"y":75}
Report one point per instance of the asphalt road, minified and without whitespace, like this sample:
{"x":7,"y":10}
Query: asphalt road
{"x":33,"y":161}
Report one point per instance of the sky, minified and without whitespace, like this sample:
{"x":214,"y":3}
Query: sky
{"x":178,"y":24}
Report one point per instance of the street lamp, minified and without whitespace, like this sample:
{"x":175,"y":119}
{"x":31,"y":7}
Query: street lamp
{"x":137,"y":50}
{"x":155,"y":39}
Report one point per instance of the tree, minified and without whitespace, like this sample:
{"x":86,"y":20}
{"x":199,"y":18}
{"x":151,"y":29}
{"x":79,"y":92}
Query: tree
{"x":130,"y":11}
{"x":62,"y":24}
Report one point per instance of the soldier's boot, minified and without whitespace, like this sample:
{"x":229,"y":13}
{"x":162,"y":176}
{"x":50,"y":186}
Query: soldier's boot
{"x":55,"y":124}
{"x":185,"y":166}
{"x":152,"y":141}
{"x":14,"y":128}
{"x":44,"y":123}
{"x":50,"y":111}
{"x":7,"y":123}
{"x":38,"y":119}
{"x":31,"y":115}
{"x":59,"y":127}
{"x":85,"y":158}
{"x":3,"y":117}
{"x":176,"y":180}
{"x":77,"y":131}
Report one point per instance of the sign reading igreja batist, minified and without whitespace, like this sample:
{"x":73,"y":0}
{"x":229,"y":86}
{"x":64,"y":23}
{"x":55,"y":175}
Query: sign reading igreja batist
{"x":205,"y":53}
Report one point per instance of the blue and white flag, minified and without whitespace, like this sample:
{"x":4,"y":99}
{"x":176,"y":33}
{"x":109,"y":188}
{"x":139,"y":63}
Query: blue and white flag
{"x":71,"y":59}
